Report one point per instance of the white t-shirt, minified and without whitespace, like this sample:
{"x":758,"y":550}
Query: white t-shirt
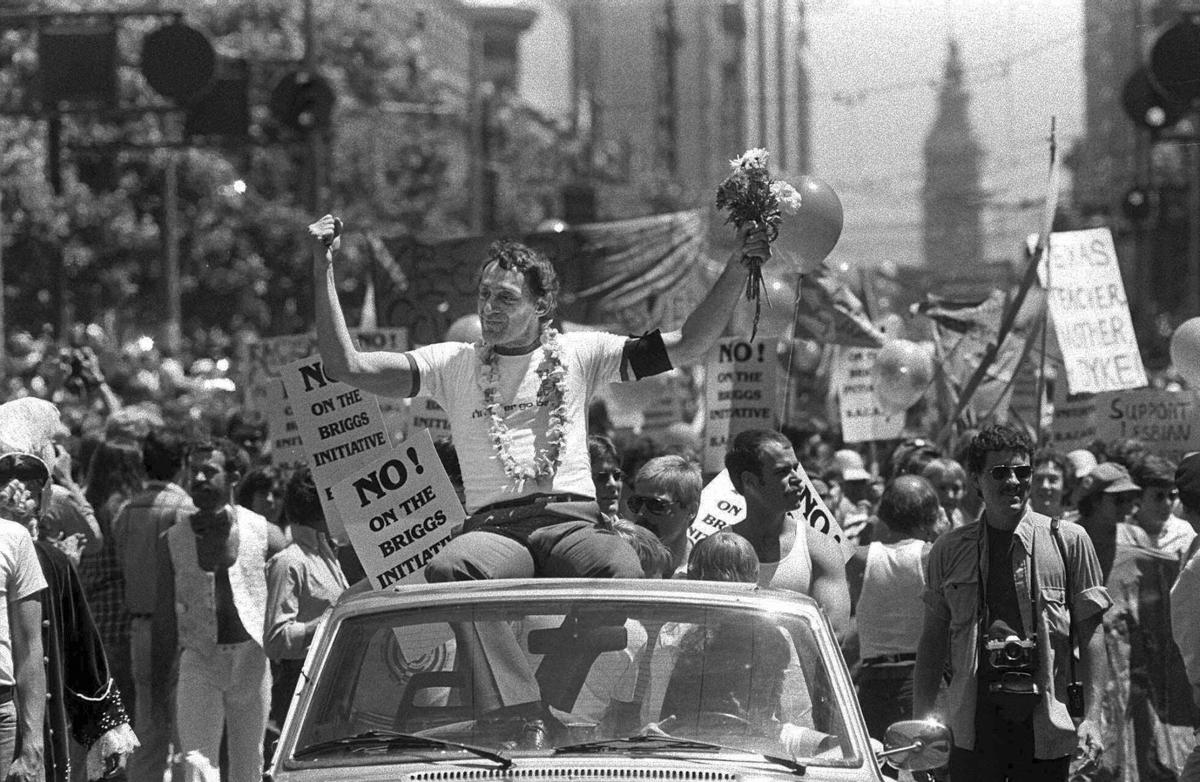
{"x":450,"y":374}
{"x":22,"y":577}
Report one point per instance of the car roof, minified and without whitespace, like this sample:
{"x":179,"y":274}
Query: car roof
{"x":421,"y":594}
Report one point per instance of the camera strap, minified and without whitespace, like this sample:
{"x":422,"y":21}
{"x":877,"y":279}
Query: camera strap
{"x":1062,"y":552}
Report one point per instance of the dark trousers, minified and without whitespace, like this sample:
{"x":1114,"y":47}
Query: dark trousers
{"x":548,"y":545}
{"x":885,"y":694}
{"x":1004,"y":751}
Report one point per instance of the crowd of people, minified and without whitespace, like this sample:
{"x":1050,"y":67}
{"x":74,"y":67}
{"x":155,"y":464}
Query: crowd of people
{"x":164,"y":582}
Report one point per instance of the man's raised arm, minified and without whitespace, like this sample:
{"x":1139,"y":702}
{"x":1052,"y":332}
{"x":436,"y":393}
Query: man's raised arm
{"x":380,"y":372}
{"x":691,"y":343}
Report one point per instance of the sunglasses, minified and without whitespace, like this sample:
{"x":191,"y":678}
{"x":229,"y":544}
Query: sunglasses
{"x":608,"y":475}
{"x":1001,"y":472}
{"x":653,"y":505}
{"x":23,"y":467}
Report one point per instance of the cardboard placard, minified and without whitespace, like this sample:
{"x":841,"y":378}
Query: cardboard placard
{"x":862,"y":419}
{"x":1168,"y":422}
{"x":1074,"y":420}
{"x":1091,"y":313}
{"x":424,"y":413}
{"x":740,"y":394}
{"x":340,"y":426}
{"x":721,"y":506}
{"x":399,"y":510}
{"x":287,"y":448}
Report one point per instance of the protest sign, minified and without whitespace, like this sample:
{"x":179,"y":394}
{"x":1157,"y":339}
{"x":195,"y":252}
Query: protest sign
{"x":1168,"y":422}
{"x":262,"y":359}
{"x":740,"y":394}
{"x":1091,"y":313}
{"x":721,"y":506}
{"x":340,"y":426}
{"x":399,"y":510}
{"x":1074,"y":420}
{"x":287,"y":449}
{"x":862,"y":419}
{"x":424,"y":413}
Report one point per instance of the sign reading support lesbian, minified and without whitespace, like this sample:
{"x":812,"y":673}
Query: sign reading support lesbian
{"x":341,"y":428}
{"x":1167,"y":421}
{"x":740,"y":381}
{"x":399,"y":510}
{"x":1091,"y":313}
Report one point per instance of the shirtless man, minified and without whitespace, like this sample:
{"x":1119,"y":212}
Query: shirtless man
{"x":792,"y":555}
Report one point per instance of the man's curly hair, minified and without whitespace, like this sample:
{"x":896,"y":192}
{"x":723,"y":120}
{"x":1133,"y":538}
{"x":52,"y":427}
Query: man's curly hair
{"x":996,"y":437}
{"x":539,"y":273}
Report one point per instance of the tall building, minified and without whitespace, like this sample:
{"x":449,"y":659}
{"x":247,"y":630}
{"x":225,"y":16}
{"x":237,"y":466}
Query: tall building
{"x":953,"y":195}
{"x":1117,"y":157}
{"x":666,"y":92}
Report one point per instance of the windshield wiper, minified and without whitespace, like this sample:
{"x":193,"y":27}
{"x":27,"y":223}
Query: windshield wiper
{"x":386,"y":739}
{"x":651,"y":742}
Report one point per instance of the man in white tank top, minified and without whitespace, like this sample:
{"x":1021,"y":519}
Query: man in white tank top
{"x":791,"y":554}
{"x":887,"y":579}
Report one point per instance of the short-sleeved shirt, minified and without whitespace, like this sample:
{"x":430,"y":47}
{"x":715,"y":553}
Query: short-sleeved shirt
{"x":952,"y":594}
{"x":22,"y":577}
{"x":449,"y":373}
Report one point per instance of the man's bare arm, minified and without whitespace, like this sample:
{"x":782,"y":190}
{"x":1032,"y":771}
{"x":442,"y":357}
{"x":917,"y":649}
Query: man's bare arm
{"x":829,"y":587}
{"x":932,"y":650}
{"x":704,"y":326}
{"x":25,"y":621}
{"x":378,"y":372}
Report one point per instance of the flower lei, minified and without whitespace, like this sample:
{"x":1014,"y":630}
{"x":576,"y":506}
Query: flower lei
{"x":753,"y":198}
{"x":552,"y":387}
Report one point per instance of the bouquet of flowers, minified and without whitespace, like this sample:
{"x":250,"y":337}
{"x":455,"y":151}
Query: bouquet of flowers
{"x":752,"y":198}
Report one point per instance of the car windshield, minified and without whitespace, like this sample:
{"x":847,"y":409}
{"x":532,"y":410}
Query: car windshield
{"x":592,"y":674}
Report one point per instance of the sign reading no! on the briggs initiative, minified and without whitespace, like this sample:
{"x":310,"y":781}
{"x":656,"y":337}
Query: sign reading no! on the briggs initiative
{"x":399,"y":510}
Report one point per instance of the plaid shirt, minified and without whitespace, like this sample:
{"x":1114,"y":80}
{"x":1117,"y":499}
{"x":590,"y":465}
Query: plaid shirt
{"x":104,"y":584}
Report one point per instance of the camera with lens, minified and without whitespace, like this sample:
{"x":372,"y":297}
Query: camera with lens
{"x":1012,"y":662}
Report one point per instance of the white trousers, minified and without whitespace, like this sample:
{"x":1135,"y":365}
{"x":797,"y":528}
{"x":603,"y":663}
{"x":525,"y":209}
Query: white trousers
{"x":231,"y":689}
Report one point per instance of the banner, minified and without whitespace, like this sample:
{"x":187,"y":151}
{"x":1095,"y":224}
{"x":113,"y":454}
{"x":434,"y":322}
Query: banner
{"x":1168,"y":422}
{"x":740,"y":394}
{"x":830,"y":313}
{"x":399,"y":510}
{"x":1091,"y":313}
{"x":862,"y":420}
{"x":341,"y":428}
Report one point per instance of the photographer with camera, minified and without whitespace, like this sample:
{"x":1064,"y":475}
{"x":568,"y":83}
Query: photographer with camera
{"x":1006,"y":601}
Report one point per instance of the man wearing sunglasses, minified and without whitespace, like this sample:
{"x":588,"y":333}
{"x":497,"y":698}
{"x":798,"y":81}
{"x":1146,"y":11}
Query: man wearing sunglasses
{"x":1005,"y":579}
{"x":666,"y":496}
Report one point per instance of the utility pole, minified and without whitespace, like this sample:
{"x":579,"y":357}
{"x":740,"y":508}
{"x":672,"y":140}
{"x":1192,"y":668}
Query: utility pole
{"x":173,"y":333}
{"x":314,"y":160}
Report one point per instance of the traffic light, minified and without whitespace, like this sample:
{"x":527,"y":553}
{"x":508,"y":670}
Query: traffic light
{"x":223,"y":110}
{"x":302,"y":100}
{"x":178,"y":61}
{"x":1147,"y":105}
{"x":77,"y":64}
{"x":1175,"y":60}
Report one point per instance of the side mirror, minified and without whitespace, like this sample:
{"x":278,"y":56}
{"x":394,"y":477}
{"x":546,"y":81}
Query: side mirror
{"x":917,"y":745}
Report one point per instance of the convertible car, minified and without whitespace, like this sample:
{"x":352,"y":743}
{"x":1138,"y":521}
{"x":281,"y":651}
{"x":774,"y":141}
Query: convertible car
{"x":584,"y":680}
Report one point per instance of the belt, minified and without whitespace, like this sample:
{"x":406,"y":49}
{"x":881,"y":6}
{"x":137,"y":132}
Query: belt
{"x":890,"y":659}
{"x":533,"y":499}
{"x":6,"y":693}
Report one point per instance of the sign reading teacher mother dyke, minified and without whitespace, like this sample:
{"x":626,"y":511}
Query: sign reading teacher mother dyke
{"x":340,"y":426}
{"x":1091,"y":313}
{"x":399,"y":510}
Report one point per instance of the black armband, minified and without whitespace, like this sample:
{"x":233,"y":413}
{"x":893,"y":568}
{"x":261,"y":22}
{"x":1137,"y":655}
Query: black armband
{"x":646,"y":356}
